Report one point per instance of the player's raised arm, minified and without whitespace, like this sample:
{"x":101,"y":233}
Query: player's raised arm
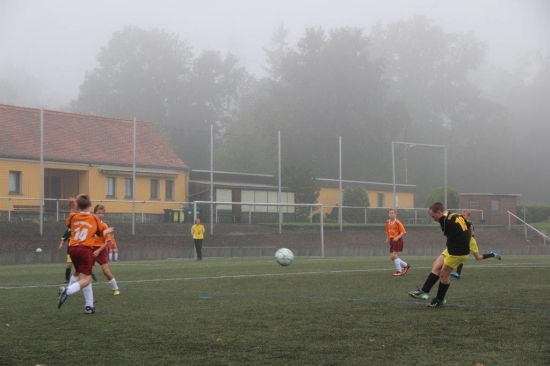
{"x":72,"y":204}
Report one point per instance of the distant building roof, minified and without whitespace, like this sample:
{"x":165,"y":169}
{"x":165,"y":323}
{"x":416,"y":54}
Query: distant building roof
{"x":371,"y":186}
{"x":232,"y":179}
{"x":491,"y":194}
{"x":78,"y":138}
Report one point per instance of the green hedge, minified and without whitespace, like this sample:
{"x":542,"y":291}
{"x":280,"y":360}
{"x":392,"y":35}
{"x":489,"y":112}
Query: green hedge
{"x":535,"y":213}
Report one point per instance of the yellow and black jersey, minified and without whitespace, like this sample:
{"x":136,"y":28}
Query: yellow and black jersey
{"x":458,"y":235}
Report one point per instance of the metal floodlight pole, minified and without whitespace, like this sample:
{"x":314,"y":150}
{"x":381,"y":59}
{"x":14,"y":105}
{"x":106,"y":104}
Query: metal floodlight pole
{"x":340,"y":213}
{"x":211,"y":182}
{"x":410,"y":144}
{"x":279,"y":183}
{"x":393,"y":173}
{"x":41,"y":170}
{"x":134,"y":163}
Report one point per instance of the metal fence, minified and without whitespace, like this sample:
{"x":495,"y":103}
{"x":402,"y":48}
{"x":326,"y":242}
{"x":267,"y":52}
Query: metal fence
{"x":527,"y":229}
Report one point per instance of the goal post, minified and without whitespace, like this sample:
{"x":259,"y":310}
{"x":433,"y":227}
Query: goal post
{"x":250,"y":213}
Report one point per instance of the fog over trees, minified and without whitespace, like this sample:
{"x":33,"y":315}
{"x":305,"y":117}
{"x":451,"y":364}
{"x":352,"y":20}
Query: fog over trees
{"x":409,"y":81}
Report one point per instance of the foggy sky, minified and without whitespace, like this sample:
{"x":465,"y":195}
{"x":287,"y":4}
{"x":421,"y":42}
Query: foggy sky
{"x":57,"y":41}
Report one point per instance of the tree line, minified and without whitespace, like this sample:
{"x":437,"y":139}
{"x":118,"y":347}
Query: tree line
{"x":408,"y":81}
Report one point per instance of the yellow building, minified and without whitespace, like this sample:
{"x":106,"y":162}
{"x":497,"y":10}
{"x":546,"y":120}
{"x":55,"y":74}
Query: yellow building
{"x":380,"y":194}
{"x":57,"y":155}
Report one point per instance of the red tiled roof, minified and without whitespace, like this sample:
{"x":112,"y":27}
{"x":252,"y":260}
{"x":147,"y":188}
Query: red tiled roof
{"x":77,"y":138}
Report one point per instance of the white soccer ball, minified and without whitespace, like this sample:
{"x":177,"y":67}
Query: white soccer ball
{"x":38,"y":250}
{"x":284,"y":256}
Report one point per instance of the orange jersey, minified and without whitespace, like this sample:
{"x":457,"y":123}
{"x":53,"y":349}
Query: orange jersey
{"x":100,"y":240}
{"x":392,"y":230}
{"x":84,"y":227}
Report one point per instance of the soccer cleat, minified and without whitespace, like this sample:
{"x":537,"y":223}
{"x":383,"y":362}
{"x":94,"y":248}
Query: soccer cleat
{"x":398,"y":274}
{"x":436,"y":303}
{"x":116,"y":292}
{"x":89,"y":310}
{"x":62,"y":296}
{"x":418,"y":294}
{"x":497,"y":256}
{"x":406,"y":269}
{"x":455,"y":275}
{"x":94,"y":277}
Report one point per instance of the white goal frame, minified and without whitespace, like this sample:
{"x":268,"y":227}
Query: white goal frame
{"x":318,"y":205}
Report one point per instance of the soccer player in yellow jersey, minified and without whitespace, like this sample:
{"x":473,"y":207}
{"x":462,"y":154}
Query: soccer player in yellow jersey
{"x":197,"y":231}
{"x":458,"y":249}
{"x":473,"y":247}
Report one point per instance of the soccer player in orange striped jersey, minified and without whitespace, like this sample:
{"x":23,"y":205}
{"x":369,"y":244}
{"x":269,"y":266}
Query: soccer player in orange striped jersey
{"x":113,"y":249}
{"x":394,"y":237}
{"x":101,"y":256}
{"x":100,"y":251}
{"x":84,"y":226}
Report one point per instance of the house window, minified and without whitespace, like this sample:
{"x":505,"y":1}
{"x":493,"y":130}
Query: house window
{"x":380,"y":200}
{"x":474,"y":204}
{"x":495,"y":206}
{"x":223,"y":195}
{"x":169,"y":189}
{"x":269,"y":197}
{"x":111,"y":187}
{"x":15,"y":182}
{"x":128,"y":188}
{"x":155,"y":189}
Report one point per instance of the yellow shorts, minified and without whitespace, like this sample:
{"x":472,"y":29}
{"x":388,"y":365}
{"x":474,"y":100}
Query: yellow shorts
{"x":69,"y":259}
{"x":453,"y":261}
{"x":473,"y":245}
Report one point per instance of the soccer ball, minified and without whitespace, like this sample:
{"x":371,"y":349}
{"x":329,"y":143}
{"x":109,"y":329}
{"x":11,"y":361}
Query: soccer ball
{"x":38,"y":250}
{"x":284,"y":256}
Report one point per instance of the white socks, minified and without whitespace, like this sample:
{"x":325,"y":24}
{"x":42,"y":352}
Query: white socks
{"x":73,"y":280}
{"x":398,"y":264}
{"x":73,"y":289}
{"x":113,"y":284}
{"x":88,"y":295}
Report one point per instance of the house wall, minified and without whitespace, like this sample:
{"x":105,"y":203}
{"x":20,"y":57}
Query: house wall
{"x":76,"y":179}
{"x":30,"y":177}
{"x":490,"y":217}
{"x":331,"y":197}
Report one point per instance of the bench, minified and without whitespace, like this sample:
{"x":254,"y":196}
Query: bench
{"x":26,"y":208}
{"x":21,"y":210}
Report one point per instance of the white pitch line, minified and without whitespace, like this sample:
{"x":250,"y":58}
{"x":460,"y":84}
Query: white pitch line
{"x":508,"y":265}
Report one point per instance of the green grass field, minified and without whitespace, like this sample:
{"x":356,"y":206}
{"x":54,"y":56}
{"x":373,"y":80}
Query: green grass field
{"x":317,"y":311}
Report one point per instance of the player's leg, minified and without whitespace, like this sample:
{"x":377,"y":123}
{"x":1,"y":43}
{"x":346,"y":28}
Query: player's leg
{"x":395,"y":259}
{"x":432,"y":279}
{"x":493,"y":254}
{"x":112,"y":281}
{"x":450,"y":262}
{"x":83,"y":260}
{"x":198,"y":248}
{"x":68,"y":269}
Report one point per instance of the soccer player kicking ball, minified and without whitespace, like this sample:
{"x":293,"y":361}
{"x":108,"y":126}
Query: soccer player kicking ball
{"x":473,"y":247}
{"x":84,"y":226}
{"x":458,"y":239}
